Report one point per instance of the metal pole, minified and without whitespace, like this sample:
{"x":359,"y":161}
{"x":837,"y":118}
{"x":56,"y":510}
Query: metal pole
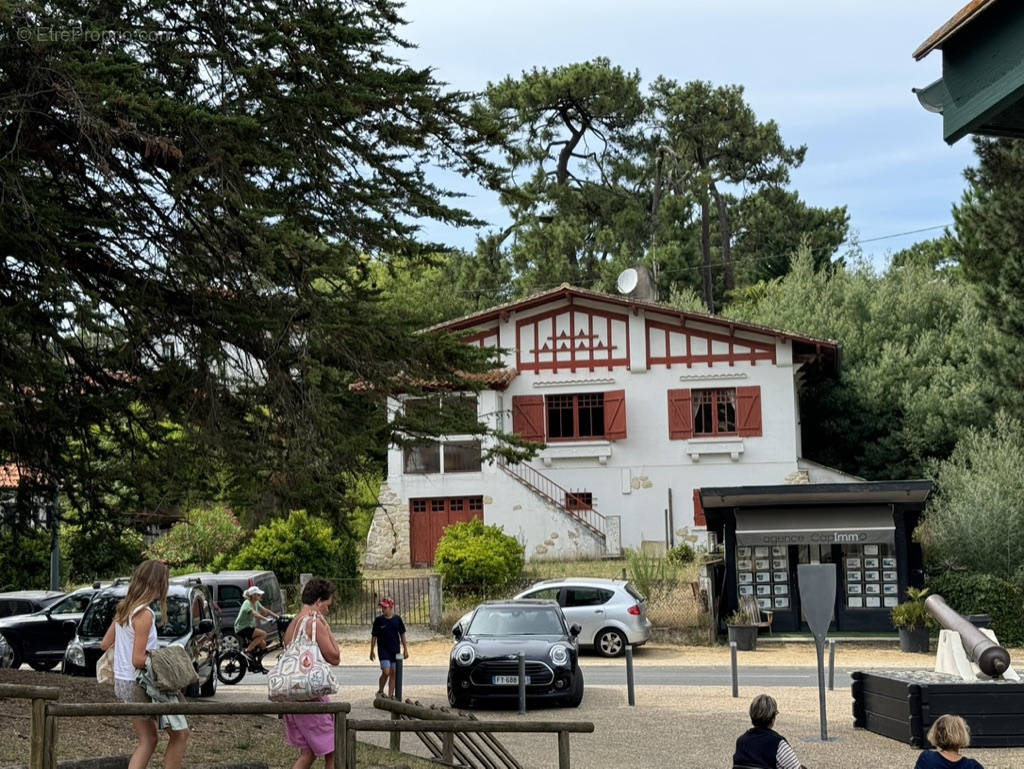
{"x":398,"y":676}
{"x":820,"y":646}
{"x":521,"y":658}
{"x":630,"y":694}
{"x":735,"y":672}
{"x":831,"y":664}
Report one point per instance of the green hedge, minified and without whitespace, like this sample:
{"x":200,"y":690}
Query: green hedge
{"x":972,"y":593}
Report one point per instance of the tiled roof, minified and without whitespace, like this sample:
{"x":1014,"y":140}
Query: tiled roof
{"x":9,"y":476}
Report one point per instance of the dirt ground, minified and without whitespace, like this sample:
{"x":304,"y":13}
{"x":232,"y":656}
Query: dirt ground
{"x":670,"y":725}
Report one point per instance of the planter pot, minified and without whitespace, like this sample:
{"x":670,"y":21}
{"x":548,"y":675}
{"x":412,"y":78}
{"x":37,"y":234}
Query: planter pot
{"x":914,"y":639}
{"x":745,"y":637}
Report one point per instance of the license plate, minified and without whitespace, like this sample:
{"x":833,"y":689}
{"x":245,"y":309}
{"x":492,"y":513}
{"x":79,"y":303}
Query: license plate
{"x":508,"y":680}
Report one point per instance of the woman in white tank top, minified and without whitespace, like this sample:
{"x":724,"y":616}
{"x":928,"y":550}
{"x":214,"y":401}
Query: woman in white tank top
{"x":133,"y":635}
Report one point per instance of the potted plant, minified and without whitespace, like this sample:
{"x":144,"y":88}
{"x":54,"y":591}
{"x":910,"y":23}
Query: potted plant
{"x":742,"y":630}
{"x":913,"y":621}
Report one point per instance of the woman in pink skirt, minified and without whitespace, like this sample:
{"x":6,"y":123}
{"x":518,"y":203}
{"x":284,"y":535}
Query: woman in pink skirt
{"x":313,"y":734}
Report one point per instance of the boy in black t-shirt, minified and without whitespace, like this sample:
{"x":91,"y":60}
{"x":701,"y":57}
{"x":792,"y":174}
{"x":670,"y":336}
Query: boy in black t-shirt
{"x":387,"y":632}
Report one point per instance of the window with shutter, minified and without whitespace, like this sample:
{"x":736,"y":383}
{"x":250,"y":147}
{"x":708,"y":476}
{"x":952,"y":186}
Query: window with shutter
{"x":680,"y":414}
{"x":528,"y":417}
{"x":748,"y":408}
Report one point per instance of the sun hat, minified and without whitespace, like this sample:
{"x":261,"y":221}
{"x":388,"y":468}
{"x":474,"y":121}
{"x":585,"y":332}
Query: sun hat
{"x":252,"y":591}
{"x":386,"y":603}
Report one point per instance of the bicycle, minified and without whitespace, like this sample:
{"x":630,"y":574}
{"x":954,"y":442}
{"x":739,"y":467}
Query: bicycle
{"x":233,"y":665}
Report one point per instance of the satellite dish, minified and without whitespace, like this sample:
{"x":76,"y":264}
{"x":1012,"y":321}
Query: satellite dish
{"x":627,"y":280}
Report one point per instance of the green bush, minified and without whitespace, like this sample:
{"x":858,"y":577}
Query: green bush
{"x":199,"y":538}
{"x":655,"y":577}
{"x":99,"y":551}
{"x":972,"y":593}
{"x":296,"y":545}
{"x":911,"y":614}
{"x":681,"y":554}
{"x":24,"y":559}
{"x":474,"y":557}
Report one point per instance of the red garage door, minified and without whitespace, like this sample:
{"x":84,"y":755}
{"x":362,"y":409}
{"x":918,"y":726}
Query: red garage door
{"x":428,"y":518}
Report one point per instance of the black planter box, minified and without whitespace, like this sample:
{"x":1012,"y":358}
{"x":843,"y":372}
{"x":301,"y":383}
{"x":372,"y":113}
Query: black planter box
{"x":903,"y":704}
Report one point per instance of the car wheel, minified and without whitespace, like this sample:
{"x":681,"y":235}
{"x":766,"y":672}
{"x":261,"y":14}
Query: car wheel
{"x":6,"y":656}
{"x":454,"y":699}
{"x":229,"y":643}
{"x":209,"y":687}
{"x":231,"y":667}
{"x":42,"y":665}
{"x":610,"y":642}
{"x":575,"y":695}
{"x":15,"y":657}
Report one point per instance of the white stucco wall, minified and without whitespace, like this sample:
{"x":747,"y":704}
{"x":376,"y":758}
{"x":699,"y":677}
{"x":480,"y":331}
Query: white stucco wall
{"x":629,"y":478}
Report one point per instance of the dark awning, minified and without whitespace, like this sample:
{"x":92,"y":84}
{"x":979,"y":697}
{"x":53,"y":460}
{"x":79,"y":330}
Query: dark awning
{"x":816,"y":526}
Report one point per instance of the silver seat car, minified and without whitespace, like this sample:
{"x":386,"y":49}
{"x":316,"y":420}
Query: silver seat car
{"x":610,"y":612}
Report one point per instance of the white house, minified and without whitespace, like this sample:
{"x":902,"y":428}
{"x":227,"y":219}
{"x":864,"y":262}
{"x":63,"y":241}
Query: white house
{"x":638,"y":404}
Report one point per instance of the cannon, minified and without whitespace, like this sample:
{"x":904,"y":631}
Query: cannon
{"x":990,"y":657}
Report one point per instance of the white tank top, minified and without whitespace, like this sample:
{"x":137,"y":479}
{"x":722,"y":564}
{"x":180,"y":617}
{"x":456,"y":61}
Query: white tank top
{"x":124,"y":644}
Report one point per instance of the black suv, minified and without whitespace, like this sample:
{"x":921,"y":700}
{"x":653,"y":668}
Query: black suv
{"x":39,"y":638}
{"x":191,"y":622}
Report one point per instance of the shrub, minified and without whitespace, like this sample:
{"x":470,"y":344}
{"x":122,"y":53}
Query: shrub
{"x":653,"y":576}
{"x":911,"y":614}
{"x":681,"y":554}
{"x":298,"y":544}
{"x":205,"y":532}
{"x":24,"y":559}
{"x":474,"y":557}
{"x":972,"y":593}
{"x":99,"y":551}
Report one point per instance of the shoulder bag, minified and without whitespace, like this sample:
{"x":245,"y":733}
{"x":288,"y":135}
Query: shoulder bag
{"x":171,"y":668}
{"x":301,"y":674}
{"x":105,"y":667}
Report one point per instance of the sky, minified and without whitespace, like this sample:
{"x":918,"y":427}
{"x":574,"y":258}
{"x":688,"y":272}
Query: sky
{"x":835,"y":75}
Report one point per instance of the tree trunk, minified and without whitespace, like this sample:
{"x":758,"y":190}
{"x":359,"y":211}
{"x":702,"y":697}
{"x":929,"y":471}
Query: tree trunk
{"x":705,"y":251}
{"x":725,"y":232}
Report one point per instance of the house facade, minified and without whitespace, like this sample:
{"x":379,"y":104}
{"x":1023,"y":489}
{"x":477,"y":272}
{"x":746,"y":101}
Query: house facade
{"x":637,"y":404}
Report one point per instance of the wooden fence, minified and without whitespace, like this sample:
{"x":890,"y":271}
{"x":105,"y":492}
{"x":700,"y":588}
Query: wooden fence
{"x":46,"y":711}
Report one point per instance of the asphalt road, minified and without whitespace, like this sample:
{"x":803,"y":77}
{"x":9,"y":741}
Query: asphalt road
{"x":602,"y":675}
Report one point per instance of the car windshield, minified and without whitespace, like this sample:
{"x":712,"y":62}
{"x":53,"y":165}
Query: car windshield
{"x":511,"y":621}
{"x":76,"y":603}
{"x":101,"y":613}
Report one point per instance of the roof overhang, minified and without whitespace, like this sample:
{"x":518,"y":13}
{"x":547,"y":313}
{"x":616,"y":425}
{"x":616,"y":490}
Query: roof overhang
{"x":982,"y":86}
{"x":793,"y":495}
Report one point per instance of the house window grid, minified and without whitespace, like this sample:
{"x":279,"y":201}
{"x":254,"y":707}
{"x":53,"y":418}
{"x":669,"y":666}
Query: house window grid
{"x":572,"y":417}
{"x":448,"y":454}
{"x":714,"y":412}
{"x":579,"y":500}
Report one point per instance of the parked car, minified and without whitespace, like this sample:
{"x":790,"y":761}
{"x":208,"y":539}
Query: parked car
{"x":40,"y":638}
{"x":484,"y":665}
{"x":190,"y":622}
{"x":610,"y":612}
{"x":27,"y":601}
{"x":226,"y":588}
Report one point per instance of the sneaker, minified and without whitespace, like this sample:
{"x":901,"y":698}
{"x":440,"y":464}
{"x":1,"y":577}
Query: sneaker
{"x":380,"y":693}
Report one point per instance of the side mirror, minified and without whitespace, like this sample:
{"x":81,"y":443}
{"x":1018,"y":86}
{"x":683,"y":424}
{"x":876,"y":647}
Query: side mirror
{"x":457,"y":632}
{"x":574,"y":630}
{"x":69,"y":628}
{"x":205,"y":626}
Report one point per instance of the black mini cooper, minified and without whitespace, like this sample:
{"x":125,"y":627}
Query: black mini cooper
{"x":484,"y":661}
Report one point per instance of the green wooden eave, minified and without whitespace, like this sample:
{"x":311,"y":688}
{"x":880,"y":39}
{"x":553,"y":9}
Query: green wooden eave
{"x":982,"y":86}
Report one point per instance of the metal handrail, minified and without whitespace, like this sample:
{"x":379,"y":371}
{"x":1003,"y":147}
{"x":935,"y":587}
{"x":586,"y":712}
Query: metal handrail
{"x":553,"y":493}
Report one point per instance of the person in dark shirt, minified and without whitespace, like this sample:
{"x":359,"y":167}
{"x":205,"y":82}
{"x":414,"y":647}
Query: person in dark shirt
{"x":949,"y":734}
{"x":761,"y":746}
{"x":387,"y":634}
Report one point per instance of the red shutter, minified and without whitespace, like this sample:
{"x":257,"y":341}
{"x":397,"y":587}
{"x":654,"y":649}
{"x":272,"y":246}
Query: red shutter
{"x":615,"y":415}
{"x":680,"y":414}
{"x":698,"y":510}
{"x":748,"y":411}
{"x":528,"y":417}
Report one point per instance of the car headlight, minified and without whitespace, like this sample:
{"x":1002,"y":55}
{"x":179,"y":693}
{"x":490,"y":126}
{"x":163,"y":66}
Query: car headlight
{"x":559,"y":654}
{"x":75,"y":654}
{"x":464,"y":654}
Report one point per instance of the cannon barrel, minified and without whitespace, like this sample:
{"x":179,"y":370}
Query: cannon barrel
{"x":992,"y":658}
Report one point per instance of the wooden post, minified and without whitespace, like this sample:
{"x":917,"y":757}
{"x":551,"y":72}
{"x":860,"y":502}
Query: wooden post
{"x":563,"y":750}
{"x":38,"y":735}
{"x":395,"y":740}
{"x":51,"y":741}
{"x":340,"y":733}
{"x":350,"y":750}
{"x":446,"y":747}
